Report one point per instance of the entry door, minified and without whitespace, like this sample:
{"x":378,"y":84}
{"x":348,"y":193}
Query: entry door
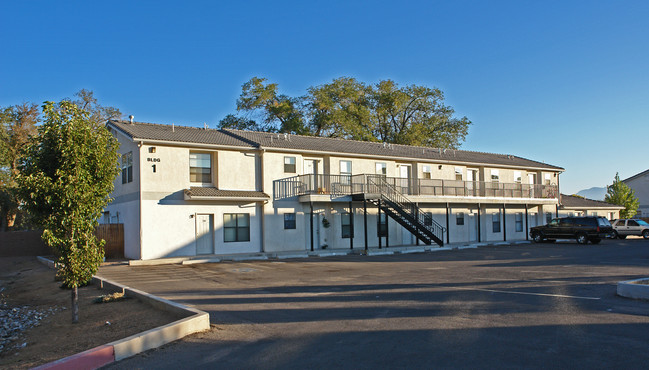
{"x":204,"y":234}
{"x":473,"y":227}
{"x":319,"y":237}
{"x":471,"y":182}
{"x":404,"y":173}
{"x":311,"y":168}
{"x":531,"y":179}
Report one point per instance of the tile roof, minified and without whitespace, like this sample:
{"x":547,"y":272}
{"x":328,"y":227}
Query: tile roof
{"x":251,"y":139}
{"x":570,"y":202}
{"x":220,"y":193}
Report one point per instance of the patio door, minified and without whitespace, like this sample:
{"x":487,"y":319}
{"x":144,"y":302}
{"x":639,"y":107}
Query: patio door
{"x":472,"y":182}
{"x":405,"y":171}
{"x":311,"y":168}
{"x":204,"y":234}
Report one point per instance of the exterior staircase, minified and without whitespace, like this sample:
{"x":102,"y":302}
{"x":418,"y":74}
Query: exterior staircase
{"x":402,"y":210}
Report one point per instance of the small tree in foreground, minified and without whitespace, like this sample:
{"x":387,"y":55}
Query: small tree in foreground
{"x":65,"y":181}
{"x":619,"y":193}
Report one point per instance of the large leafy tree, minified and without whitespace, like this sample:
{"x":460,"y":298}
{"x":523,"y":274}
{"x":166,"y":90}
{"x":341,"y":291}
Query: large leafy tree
{"x":276,"y":109}
{"x":620,"y":194}
{"x":348,"y":108}
{"x":17,"y":125}
{"x":65,"y":181}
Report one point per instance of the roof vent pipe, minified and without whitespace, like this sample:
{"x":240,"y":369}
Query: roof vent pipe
{"x":173,"y":127}
{"x":131,"y":117}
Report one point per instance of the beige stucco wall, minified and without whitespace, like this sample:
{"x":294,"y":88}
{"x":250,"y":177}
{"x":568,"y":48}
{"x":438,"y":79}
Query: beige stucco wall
{"x":640,"y":186}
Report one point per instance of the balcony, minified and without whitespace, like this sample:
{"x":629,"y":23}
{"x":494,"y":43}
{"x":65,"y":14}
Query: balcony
{"x":340,"y":185}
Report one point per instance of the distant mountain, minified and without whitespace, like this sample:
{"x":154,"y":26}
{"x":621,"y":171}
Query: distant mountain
{"x":595,"y":193}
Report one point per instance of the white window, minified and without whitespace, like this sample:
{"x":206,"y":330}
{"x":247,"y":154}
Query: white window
{"x":495,"y":175}
{"x":495,"y":222}
{"x":289,"y":165}
{"x":381,"y":168}
{"x":547,"y":179}
{"x":518,"y":178}
{"x":427,"y":173}
{"x":200,"y":167}
{"x":458,"y":173}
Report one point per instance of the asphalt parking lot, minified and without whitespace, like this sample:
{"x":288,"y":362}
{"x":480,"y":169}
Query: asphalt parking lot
{"x":524,"y":306}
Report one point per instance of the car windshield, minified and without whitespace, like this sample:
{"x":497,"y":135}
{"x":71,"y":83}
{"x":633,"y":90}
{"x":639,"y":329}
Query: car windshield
{"x":603,"y":222}
{"x":641,"y":222}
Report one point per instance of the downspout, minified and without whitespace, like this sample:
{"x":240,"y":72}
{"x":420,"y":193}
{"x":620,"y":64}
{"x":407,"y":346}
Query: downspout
{"x":139,"y":192}
{"x":263,"y":204}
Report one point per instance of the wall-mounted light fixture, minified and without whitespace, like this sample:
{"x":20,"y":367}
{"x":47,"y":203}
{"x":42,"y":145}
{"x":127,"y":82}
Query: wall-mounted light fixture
{"x":439,"y":167}
{"x":152,"y":149}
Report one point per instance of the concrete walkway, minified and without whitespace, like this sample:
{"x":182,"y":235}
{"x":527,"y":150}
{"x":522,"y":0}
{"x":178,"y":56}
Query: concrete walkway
{"x":260,"y":256}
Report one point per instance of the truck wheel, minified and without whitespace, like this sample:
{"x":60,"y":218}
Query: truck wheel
{"x":616,"y":235}
{"x":645,"y":234}
{"x":537,"y":237}
{"x":582,"y":238}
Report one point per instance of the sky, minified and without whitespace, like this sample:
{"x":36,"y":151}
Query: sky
{"x":561,"y":82}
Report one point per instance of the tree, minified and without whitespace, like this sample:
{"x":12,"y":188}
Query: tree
{"x":280,"y":112}
{"x":240,"y":123}
{"x":350,"y":109}
{"x":85,"y":99}
{"x":619,"y":193}
{"x":17,"y":125}
{"x":65,"y":182}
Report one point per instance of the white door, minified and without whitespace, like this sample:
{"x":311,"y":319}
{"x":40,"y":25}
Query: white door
{"x":319,"y":237}
{"x":473,"y":227}
{"x":204,"y":234}
{"x":311,"y":168}
{"x":531,"y":179}
{"x":404,"y":173}
{"x":471,"y":182}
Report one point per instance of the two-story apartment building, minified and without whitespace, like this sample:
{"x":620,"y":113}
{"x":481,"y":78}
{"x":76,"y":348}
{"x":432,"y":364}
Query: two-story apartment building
{"x":187,"y":191}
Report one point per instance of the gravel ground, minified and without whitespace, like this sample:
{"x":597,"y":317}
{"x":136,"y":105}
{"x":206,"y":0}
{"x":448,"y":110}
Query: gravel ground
{"x":15,"y":320}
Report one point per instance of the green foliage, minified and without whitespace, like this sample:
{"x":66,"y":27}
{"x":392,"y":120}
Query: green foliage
{"x":347,"y":108}
{"x":17,"y":125}
{"x":620,"y":194}
{"x":240,"y":123}
{"x":65,"y":182}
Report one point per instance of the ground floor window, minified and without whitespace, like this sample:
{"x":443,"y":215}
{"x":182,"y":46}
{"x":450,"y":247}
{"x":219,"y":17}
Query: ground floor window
{"x":428,"y":218}
{"x":519,"y":222}
{"x":289,"y":220}
{"x":459,"y":218}
{"x":236,"y":227}
{"x":347,"y":225}
{"x":495,"y":222}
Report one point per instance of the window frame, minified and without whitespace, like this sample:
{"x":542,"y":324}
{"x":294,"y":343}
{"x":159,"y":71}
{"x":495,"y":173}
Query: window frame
{"x":495,"y":176}
{"x":427,"y":171}
{"x":518,"y":222}
{"x":383,"y":170}
{"x":459,"y":219}
{"x":127,"y":167}
{"x":382,"y":225}
{"x":237,"y":228}
{"x":347,"y":229}
{"x":287,"y":166}
{"x":192,"y":176}
{"x":289,"y":221}
{"x":495,"y":221}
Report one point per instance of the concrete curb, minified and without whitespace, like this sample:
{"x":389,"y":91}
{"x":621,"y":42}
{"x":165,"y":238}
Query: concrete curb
{"x":94,"y":358}
{"x":633,"y":289}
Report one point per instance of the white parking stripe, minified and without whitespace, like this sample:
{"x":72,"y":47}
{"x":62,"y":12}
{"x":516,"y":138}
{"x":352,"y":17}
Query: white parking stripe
{"x":527,"y":293}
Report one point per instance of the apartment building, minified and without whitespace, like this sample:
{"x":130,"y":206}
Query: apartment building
{"x":639,"y":183}
{"x":187,"y":191}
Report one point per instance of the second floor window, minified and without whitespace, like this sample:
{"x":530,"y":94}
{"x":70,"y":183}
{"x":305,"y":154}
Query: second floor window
{"x":200,"y":168}
{"x":127,"y":167}
{"x":495,"y":175}
{"x":381,"y":168}
{"x":426,"y":171}
{"x":458,"y":173}
{"x":518,"y":178}
{"x":289,"y":165}
{"x":345,"y":172}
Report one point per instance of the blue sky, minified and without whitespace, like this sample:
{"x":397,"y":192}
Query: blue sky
{"x":563,"y":82}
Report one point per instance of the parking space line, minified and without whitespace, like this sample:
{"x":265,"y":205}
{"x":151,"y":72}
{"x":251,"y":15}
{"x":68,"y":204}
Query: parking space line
{"x":528,"y":293}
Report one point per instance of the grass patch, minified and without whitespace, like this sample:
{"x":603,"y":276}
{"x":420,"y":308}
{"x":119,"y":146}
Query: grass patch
{"x":114,"y":297}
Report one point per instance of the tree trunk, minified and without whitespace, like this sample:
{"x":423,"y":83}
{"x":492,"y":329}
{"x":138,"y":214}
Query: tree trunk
{"x":75,"y":305}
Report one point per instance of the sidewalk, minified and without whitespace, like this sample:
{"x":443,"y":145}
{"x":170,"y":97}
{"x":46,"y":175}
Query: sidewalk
{"x":374,"y":251}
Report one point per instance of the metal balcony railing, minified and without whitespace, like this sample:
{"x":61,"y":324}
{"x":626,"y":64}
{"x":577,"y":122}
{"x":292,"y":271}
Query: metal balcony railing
{"x":357,"y":184}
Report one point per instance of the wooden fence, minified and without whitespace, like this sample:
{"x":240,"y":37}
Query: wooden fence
{"x":113,"y":234}
{"x":29,"y":243}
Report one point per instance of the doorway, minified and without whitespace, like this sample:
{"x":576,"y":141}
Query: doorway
{"x":311,"y":168}
{"x":473,"y":227}
{"x":405,"y":172}
{"x":472,"y":182}
{"x":204,"y":234}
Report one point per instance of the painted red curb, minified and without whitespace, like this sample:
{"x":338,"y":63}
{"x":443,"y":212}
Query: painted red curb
{"x":91,"y":359}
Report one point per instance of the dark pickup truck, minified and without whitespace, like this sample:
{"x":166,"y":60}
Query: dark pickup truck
{"x":583,"y":229}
